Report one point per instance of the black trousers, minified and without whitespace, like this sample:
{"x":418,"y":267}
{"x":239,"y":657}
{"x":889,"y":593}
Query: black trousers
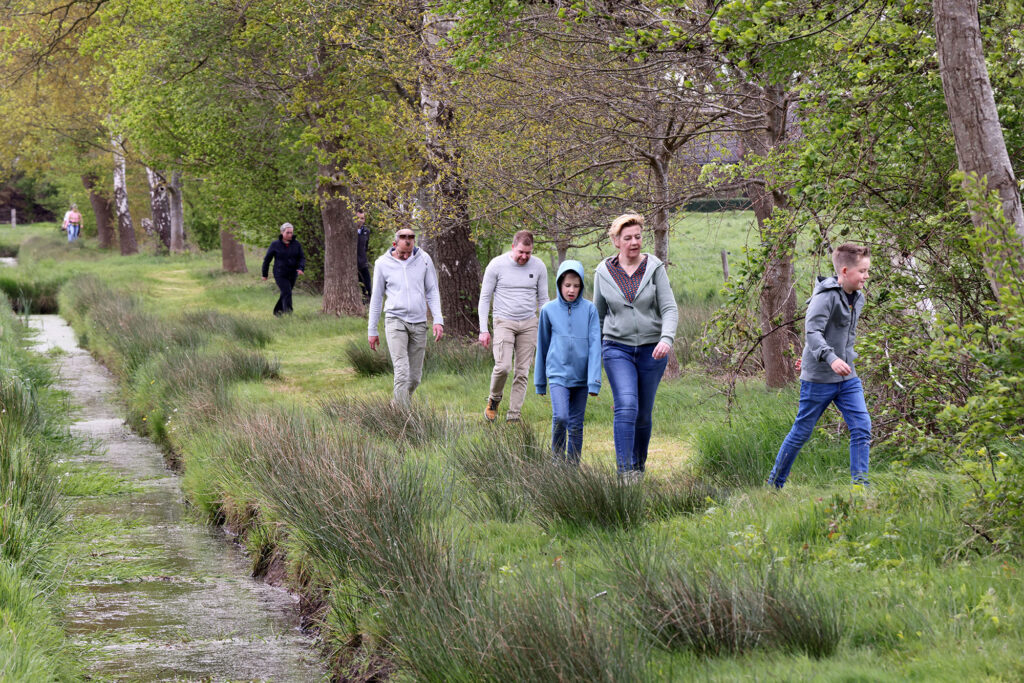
{"x":365,"y":283}
{"x":285,"y":283}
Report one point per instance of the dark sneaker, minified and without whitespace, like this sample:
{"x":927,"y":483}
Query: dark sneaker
{"x":491,"y":411}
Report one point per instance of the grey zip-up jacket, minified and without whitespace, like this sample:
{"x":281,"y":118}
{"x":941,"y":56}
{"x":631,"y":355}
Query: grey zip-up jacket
{"x":651,"y":317}
{"x":830,"y":332}
{"x":410,"y":286}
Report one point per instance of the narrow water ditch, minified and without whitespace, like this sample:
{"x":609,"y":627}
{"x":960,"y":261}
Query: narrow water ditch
{"x":153,"y":595}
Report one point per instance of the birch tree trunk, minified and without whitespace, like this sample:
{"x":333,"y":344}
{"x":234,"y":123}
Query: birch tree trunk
{"x":660,"y":223}
{"x":777,"y":299}
{"x":980,"y":147}
{"x":159,"y":205}
{"x":102,"y":210}
{"x":177,"y":214}
{"x":125,"y":228}
{"x":232,"y":255}
{"x":444,"y":193}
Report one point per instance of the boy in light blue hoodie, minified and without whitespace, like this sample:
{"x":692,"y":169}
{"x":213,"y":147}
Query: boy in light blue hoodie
{"x":569,"y":359}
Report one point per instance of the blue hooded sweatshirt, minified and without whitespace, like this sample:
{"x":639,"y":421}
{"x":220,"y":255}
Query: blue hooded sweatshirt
{"x":568,"y":340}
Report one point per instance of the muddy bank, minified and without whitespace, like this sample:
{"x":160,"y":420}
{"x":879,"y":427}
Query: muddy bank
{"x":156,"y":596}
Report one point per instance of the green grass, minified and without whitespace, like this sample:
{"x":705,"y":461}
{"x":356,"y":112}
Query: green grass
{"x":447,"y":548}
{"x":33,"y":435}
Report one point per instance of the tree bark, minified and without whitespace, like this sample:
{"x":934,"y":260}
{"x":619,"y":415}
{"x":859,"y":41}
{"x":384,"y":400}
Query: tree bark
{"x":125,"y":228}
{"x":980,"y":147}
{"x":160,"y":205}
{"x":777,"y":298}
{"x":445,"y":198}
{"x":342,"y":295}
{"x":232,"y":255}
{"x":177,"y":214}
{"x":660,"y":223}
{"x":102,"y":210}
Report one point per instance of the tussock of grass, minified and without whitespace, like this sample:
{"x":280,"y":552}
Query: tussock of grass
{"x":497,"y":462}
{"x":448,"y":355}
{"x":30,"y":292}
{"x":533,"y":628}
{"x":717,"y":612}
{"x":233,"y":327}
{"x":378,"y":417}
{"x":354,"y":506}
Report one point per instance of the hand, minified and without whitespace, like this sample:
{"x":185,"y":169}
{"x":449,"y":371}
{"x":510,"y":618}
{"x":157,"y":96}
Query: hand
{"x":374,"y":342}
{"x":264,"y":278}
{"x":438,"y":332}
{"x":799,"y":364}
{"x":660,"y":351}
{"x":485,"y":339}
{"x":299,"y":272}
{"x":840,"y":367}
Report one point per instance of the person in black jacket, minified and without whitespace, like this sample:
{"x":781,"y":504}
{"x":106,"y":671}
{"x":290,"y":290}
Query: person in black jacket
{"x":362,"y":262}
{"x":289,"y":262}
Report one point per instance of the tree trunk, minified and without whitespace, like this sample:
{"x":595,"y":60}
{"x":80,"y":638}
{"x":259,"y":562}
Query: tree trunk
{"x":177,"y":214}
{"x":660,"y":222}
{"x":159,"y":205}
{"x":342,"y":295}
{"x":125,"y":228}
{"x":102,"y":210}
{"x":232,"y":255}
{"x":980,"y":147}
{"x":777,"y":299}
{"x":443,"y":189}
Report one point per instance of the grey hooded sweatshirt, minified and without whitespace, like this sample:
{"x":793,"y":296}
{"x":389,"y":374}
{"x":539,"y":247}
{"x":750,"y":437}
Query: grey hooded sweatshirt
{"x":831,"y":331}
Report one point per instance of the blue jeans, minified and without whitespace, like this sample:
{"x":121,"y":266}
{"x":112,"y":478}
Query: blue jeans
{"x":634,"y":375}
{"x":568,"y":404}
{"x":848,"y":396}
{"x":73,"y":231}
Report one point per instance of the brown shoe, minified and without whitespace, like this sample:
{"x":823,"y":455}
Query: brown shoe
{"x":491,"y":411}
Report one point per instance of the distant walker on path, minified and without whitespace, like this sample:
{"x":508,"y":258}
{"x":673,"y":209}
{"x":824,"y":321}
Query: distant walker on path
{"x":73,"y":223}
{"x":405,"y":275}
{"x":289,"y":263}
{"x":362,"y":262}
{"x":517,"y":282}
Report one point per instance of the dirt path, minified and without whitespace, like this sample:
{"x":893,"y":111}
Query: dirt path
{"x":154,"y":595}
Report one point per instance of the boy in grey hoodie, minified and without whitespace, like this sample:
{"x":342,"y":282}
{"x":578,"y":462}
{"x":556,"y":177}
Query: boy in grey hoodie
{"x":827,"y":374}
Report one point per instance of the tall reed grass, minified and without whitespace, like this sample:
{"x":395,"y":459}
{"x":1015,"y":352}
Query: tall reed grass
{"x":399,"y":426}
{"x":32,"y":433}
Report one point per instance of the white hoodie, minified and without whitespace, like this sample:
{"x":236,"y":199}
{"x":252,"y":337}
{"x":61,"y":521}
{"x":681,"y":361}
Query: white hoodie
{"x":410,"y":286}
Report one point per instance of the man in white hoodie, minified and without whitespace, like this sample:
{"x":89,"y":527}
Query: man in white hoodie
{"x":406,"y":276}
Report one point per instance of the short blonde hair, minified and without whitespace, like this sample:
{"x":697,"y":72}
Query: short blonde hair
{"x":624,"y":221}
{"x":849,"y":255}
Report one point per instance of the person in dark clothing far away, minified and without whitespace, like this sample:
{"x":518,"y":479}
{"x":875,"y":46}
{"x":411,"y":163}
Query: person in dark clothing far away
{"x":289,"y":263}
{"x":362,"y":262}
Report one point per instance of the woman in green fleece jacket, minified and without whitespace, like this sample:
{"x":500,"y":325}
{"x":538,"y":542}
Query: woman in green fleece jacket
{"x":638,"y":316}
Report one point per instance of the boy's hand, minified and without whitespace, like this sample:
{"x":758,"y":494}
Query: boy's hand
{"x":840,"y":367}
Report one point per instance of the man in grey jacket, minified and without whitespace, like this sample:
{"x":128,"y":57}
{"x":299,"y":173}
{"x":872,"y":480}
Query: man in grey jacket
{"x":518,"y":283}
{"x":827,"y":373}
{"x":405,"y":275}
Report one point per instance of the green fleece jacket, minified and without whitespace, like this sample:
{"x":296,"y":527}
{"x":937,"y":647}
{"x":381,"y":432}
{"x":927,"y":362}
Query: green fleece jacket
{"x":651,"y":317}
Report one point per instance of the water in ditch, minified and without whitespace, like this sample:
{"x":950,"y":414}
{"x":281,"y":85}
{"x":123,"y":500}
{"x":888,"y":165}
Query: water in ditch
{"x":154,"y":595}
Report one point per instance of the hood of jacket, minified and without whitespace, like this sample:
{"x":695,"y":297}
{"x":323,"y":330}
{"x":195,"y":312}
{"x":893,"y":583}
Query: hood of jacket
{"x":569,"y":266}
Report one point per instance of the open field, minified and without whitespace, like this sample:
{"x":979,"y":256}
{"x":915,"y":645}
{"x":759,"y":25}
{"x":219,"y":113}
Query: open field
{"x":446,"y":549}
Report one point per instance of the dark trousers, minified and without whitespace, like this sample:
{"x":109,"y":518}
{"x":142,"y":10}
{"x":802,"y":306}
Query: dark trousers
{"x":285,"y":283}
{"x":365,"y":283}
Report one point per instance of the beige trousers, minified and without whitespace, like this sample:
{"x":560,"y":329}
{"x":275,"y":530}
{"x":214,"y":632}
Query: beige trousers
{"x":407,"y":343}
{"x":514,"y":343}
